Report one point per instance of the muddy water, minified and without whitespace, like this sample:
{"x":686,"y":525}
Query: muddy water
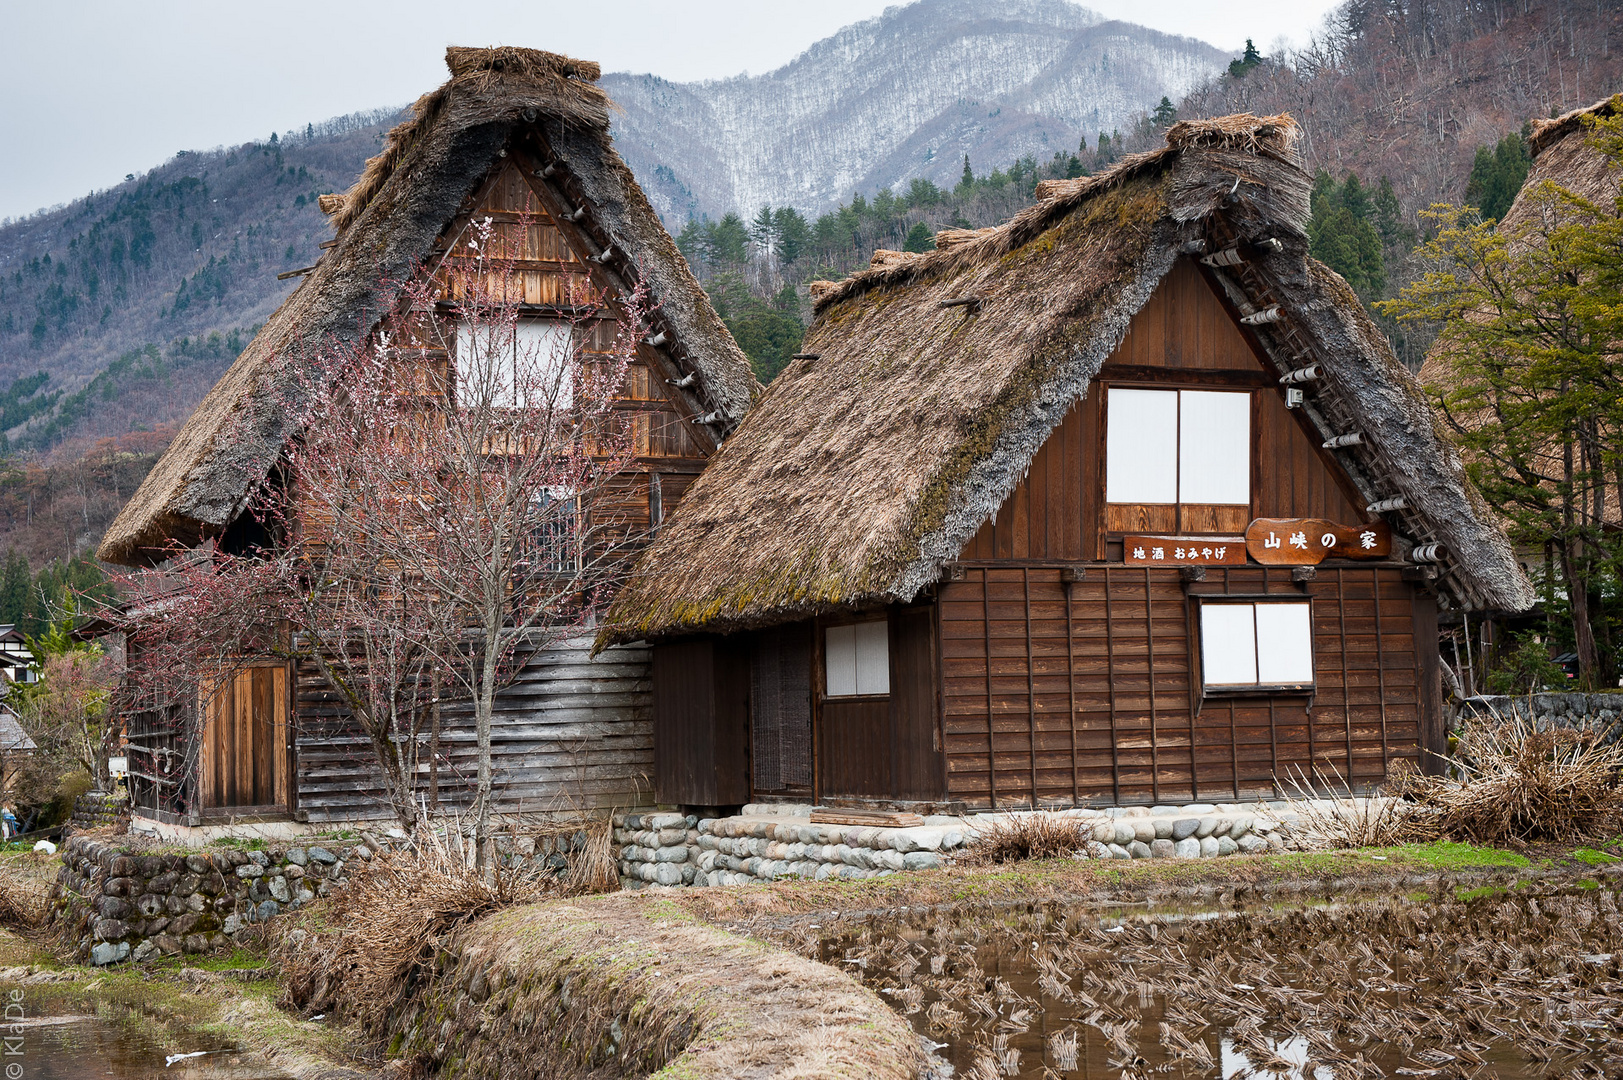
{"x":1514,"y":984}
{"x":86,"y":1047}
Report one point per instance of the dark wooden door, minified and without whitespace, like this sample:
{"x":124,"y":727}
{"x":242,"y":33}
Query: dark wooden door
{"x":244,"y":759}
{"x":887,"y":747}
{"x":701,"y":722}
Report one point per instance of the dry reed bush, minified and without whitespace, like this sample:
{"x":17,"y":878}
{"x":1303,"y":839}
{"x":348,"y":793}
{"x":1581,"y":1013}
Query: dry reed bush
{"x":1520,"y":785}
{"x":1031,"y":836}
{"x":376,"y":938}
{"x":25,"y":893}
{"x":1380,"y":821}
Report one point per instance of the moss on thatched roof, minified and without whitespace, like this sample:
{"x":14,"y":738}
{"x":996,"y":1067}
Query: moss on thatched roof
{"x":387,"y":224}
{"x":871,"y":461}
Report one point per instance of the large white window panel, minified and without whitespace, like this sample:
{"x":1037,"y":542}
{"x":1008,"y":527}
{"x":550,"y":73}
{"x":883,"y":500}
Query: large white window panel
{"x":1228,"y":644}
{"x":530,"y":363}
{"x":840,"y":660}
{"x":1214,"y":437}
{"x":1284,"y":644}
{"x":484,"y":365}
{"x":545,"y":362}
{"x":1141,"y":446}
{"x":873,"y":657}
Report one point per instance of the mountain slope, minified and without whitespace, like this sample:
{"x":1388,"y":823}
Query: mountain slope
{"x":904,"y":95}
{"x":133,"y":301}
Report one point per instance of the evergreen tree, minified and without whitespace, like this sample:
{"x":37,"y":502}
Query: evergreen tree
{"x":792,"y":232}
{"x":920,"y":238}
{"x":1341,"y":236}
{"x":16,"y":583}
{"x":1239,"y":69}
{"x":1166,"y":114}
{"x":1497,"y":175}
{"x":966,"y":182}
{"x":727,"y":240}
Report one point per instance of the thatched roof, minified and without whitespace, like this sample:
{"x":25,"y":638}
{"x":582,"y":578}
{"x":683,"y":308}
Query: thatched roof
{"x":387,"y":225}
{"x":869,"y":465}
{"x":13,"y":739}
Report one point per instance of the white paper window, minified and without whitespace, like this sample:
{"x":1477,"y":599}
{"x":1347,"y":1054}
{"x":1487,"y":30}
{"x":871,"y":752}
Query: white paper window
{"x":1214,"y":447}
{"x":1178,"y":446}
{"x":1264,"y":644}
{"x":1141,"y":446}
{"x":529,"y":363}
{"x":856,"y":659}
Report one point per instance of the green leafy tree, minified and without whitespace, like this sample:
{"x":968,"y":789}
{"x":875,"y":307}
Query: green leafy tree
{"x":1532,"y":325}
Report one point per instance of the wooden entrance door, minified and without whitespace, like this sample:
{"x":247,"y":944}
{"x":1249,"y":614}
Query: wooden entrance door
{"x":244,"y":763}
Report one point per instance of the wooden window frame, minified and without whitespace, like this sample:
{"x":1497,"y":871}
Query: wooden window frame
{"x":820,"y":643}
{"x":1180,"y":523}
{"x":1205,"y":690}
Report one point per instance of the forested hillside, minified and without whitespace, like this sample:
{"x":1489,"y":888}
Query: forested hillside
{"x":119,"y":311}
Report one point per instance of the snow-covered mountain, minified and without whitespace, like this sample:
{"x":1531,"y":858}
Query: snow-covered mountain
{"x":904,"y":95}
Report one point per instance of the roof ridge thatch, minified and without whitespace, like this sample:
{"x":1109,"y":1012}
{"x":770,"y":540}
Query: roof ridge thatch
{"x":908,"y":420}
{"x":1270,"y":136}
{"x":387,"y":226}
{"x":1547,"y":132}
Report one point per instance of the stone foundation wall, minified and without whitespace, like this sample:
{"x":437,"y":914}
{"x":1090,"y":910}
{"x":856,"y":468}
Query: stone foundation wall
{"x":1598,"y":713}
{"x":128,"y":904}
{"x":770,"y":841}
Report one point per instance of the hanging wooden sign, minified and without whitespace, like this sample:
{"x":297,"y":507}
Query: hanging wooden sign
{"x":1309,"y":541}
{"x":1183,"y":550}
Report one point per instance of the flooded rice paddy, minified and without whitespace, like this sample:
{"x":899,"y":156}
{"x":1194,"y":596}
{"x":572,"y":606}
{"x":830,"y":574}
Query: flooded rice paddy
{"x":1517,"y":983}
{"x":121,"y":1048}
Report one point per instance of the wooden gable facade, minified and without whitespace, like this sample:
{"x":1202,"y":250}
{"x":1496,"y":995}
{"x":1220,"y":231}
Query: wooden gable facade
{"x":516,"y":146}
{"x":1045,"y":669}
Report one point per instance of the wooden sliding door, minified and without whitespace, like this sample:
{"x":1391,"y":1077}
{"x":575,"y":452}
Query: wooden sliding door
{"x":244,"y":762}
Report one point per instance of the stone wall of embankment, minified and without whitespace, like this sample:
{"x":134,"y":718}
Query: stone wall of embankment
{"x":630,"y":986}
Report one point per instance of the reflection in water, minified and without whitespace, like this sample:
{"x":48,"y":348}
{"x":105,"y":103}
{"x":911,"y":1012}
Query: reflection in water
{"x":86,"y":1047}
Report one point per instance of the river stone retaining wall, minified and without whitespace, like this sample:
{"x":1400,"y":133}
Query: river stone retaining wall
{"x":99,"y":810}
{"x":128,"y":904}
{"x":770,"y":841}
{"x":1598,"y":713}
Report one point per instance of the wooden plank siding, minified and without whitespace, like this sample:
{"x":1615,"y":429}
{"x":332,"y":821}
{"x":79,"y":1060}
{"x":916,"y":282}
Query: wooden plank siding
{"x":1083,"y":692}
{"x":574,"y":732}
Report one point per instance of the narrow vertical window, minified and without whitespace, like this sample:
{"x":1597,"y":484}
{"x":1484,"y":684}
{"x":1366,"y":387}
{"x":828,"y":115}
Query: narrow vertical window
{"x":856,"y":659}
{"x":1141,"y":447}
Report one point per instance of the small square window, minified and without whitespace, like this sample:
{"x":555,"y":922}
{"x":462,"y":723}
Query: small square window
{"x":1250,"y":645}
{"x":856,"y":659}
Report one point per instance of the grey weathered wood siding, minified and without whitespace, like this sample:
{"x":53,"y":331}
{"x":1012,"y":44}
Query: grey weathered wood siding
{"x":573,"y":733}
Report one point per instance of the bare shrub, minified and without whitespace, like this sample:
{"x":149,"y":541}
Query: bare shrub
{"x":1032,"y":836}
{"x":1382,"y":820}
{"x":373,"y":940}
{"x":1518,"y":784}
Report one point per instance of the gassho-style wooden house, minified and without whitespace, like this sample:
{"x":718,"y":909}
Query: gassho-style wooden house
{"x":1123,"y":501}
{"x":520,"y":137}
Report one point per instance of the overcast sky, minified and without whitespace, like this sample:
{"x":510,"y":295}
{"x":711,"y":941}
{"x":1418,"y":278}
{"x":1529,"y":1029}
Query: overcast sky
{"x":95,"y":89}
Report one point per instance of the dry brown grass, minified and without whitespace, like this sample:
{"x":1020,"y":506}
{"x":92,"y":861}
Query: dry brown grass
{"x":1382,"y":821}
{"x":1031,"y":836}
{"x":25,"y":891}
{"x":1520,"y":785}
{"x":375,"y":939}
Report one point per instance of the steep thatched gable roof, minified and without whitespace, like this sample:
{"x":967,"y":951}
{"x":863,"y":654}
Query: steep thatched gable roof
{"x":869,"y":465}
{"x":387,"y":226}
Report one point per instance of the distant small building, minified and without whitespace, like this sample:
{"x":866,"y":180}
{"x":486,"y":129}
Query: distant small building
{"x":15,"y":748}
{"x":16,"y":659}
{"x":1124,"y":501}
